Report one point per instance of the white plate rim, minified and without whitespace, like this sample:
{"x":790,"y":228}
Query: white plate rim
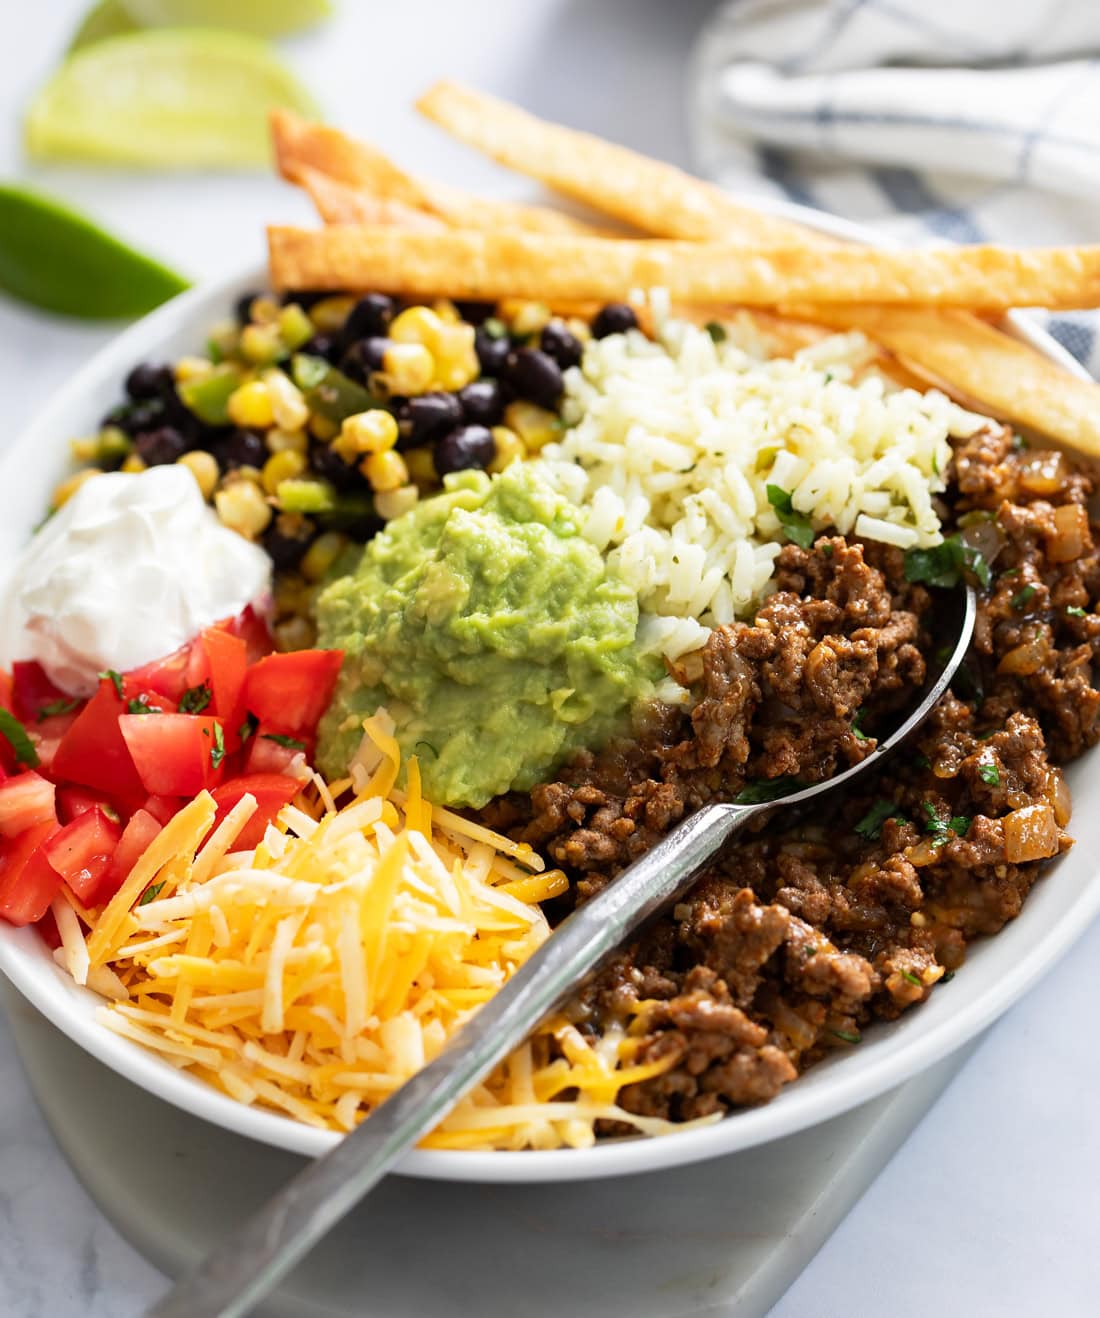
{"x":888,"y":1057}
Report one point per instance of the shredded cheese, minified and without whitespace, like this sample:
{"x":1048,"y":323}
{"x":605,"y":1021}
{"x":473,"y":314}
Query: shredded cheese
{"x":315,"y":973}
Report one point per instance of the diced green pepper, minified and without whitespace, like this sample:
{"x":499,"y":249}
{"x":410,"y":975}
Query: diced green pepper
{"x":295,"y":327}
{"x":298,"y":495}
{"x":329,"y":392}
{"x":208,"y":398}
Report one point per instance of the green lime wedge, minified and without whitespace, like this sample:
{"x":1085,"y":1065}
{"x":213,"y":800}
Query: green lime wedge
{"x":176,"y":98}
{"x":109,"y":18}
{"x":59,"y":260}
{"x":263,"y":18}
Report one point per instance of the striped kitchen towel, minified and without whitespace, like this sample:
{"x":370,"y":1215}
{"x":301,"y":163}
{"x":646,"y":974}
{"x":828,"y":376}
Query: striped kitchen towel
{"x":965,"y":120}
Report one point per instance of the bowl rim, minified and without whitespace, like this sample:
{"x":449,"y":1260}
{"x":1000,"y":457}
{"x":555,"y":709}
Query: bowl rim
{"x":851,"y":1080}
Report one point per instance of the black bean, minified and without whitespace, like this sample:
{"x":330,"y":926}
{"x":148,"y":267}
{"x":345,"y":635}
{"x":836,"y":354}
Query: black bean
{"x":287,"y":539}
{"x":426,"y":417}
{"x":492,"y":353}
{"x":323,"y":345}
{"x":615,"y":318}
{"x":244,"y":448}
{"x":536,"y":376}
{"x":136,"y":417}
{"x":475,"y":312}
{"x":157,"y":447}
{"x":363,"y":358}
{"x":329,"y":464}
{"x":369,"y":318}
{"x":243,"y":307}
{"x":482,"y":402}
{"x":304,"y":298}
{"x":468,"y":446}
{"x":561,"y":344}
{"x":148,"y":381}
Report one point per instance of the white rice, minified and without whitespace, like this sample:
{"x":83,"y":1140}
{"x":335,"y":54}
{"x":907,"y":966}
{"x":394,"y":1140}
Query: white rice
{"x":671,"y":445}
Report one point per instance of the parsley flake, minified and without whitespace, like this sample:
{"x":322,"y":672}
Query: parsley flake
{"x":946,"y":564}
{"x":870,"y":826}
{"x":57,"y":707}
{"x":989,"y":773}
{"x":849,"y":1036}
{"x":767,"y":789}
{"x":940,"y":829}
{"x":1020,"y":599}
{"x":716,"y":330}
{"x":15,"y":734}
{"x":947,"y":977}
{"x":291,"y":743}
{"x":797,"y":525}
{"x":857,"y":730}
{"x":114,"y":678}
{"x":140,"y":705}
{"x":911,"y":978}
{"x":151,"y":893}
{"x":195,"y":699}
{"x":1075,"y":611}
{"x":248,"y":727}
{"x":217,"y":751}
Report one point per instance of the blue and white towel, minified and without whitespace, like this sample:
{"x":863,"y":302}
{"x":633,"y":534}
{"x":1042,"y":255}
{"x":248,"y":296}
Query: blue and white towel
{"x":965,"y":120}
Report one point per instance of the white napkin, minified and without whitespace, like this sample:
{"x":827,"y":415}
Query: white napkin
{"x":968,"y":120}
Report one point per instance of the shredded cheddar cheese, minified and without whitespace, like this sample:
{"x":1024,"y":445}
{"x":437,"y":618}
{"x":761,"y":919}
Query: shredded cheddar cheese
{"x":316,"y":973}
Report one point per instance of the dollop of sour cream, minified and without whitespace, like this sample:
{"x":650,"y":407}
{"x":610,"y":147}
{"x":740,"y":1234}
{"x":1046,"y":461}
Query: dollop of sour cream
{"x":129,"y":569}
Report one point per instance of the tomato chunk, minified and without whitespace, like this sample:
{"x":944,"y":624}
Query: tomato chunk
{"x":28,"y":882}
{"x":271,"y":752}
{"x":227,"y":659}
{"x":271,"y":790}
{"x":162,"y":808}
{"x":94,"y":752}
{"x":73,"y":801}
{"x":135,"y":839}
{"x":290,"y":692}
{"x":33,"y":694}
{"x":26,"y":800}
{"x":82,"y":851}
{"x":175,"y":754}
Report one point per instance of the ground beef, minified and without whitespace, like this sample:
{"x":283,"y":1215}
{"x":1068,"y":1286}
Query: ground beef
{"x":806,"y":932}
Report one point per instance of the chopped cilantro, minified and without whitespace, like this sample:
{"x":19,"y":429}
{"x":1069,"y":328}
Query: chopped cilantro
{"x":959,"y":825}
{"x":140,"y":705}
{"x":857,"y":730}
{"x":114,"y":678}
{"x":280,"y":739}
{"x":989,"y":773}
{"x":797,"y":525}
{"x":248,"y":727}
{"x":767,"y":789}
{"x":1020,"y":599}
{"x":849,"y":1036}
{"x":15,"y":734}
{"x":946,"y":564}
{"x":911,"y":978}
{"x":716,"y":331}
{"x":922,"y":762}
{"x":1075,"y":612}
{"x":217,"y":751}
{"x":940,"y":829}
{"x":57,"y":707}
{"x":827,"y":550}
{"x":151,"y":893}
{"x":870,"y":826}
{"x":810,"y":951}
{"x":947,"y":977}
{"x":195,"y":699}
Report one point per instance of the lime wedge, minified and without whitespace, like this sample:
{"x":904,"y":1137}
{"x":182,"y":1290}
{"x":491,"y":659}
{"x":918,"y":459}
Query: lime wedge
{"x":174,"y":98}
{"x":59,"y":260}
{"x":263,"y":18}
{"x":106,"y":19}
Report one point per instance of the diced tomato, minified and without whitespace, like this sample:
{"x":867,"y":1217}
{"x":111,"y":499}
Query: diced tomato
{"x":290,"y":692}
{"x":175,"y":754}
{"x":94,"y":752}
{"x":27,"y":800}
{"x":50,"y":732}
{"x":252,"y":627}
{"x":168,"y":676}
{"x":227,"y":660}
{"x":136,"y":837}
{"x":73,"y":801}
{"x":162,"y":808}
{"x":28,"y":882}
{"x":7,"y":697}
{"x":268,"y":751}
{"x":81,"y":852}
{"x":271,"y":790}
{"x":32,"y":691}
{"x":47,"y":927}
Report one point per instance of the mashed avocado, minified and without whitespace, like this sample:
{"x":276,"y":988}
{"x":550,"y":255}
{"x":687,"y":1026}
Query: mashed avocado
{"x":492,"y":632}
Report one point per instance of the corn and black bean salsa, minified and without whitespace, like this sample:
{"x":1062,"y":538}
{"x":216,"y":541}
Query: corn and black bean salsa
{"x":312,"y":422}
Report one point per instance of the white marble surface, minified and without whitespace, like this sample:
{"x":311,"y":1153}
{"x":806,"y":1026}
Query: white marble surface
{"x":991,"y":1206}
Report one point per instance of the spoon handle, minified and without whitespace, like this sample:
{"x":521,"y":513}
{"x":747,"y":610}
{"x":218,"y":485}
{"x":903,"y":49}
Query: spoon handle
{"x":247,"y":1265}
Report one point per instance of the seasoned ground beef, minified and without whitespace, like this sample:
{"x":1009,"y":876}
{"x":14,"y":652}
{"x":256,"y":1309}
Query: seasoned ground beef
{"x":807,"y":931}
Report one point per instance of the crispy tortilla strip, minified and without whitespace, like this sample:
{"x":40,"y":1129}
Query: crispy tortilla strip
{"x":307,"y":152}
{"x":341,"y":203}
{"x":645,"y":194}
{"x":469,"y":264}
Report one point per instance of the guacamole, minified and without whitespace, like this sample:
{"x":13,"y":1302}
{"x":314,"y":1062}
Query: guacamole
{"x":494,"y":635}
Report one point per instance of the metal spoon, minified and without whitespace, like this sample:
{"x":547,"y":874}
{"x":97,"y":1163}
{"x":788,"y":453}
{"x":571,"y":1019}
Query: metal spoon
{"x":251,"y":1262}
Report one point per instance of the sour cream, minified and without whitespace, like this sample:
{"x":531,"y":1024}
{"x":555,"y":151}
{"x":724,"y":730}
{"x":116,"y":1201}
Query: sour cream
{"x":128,"y":570}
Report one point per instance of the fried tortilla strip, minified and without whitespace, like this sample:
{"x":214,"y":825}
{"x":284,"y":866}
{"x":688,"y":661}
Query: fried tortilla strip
{"x":469,"y":264}
{"x":307,"y":153}
{"x":341,"y":203}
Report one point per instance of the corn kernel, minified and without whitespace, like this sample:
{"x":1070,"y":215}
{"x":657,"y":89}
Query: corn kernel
{"x":366,"y":432}
{"x":321,"y":555}
{"x":329,"y":314}
{"x":446,"y":310}
{"x":204,"y":467}
{"x":287,"y":402}
{"x":113,"y":445}
{"x":580,"y":329}
{"x":68,"y":488}
{"x":394,"y":503}
{"x":415,"y":325}
{"x":421,"y":465}
{"x":263,"y":311}
{"x":286,"y":441}
{"x":385,"y":471}
{"x":509,"y":447}
{"x":456,"y":362}
{"x":295,"y":327}
{"x":223,"y":340}
{"x":535,"y":426}
{"x":251,"y":406}
{"x":132,"y":464}
{"x":243,"y":508}
{"x":282,"y":466}
{"x":294,"y":634}
{"x":85,"y":449}
{"x":407,"y":369}
{"x":526,"y":317}
{"x":261,"y":344}
{"x":192,"y":368}
{"x":323,"y":427}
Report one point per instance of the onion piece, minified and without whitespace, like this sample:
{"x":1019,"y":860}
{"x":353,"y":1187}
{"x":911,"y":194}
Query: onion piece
{"x":1031,"y":833}
{"x":1071,"y":536}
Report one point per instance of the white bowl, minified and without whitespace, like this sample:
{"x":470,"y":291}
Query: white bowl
{"x":996,"y":973}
